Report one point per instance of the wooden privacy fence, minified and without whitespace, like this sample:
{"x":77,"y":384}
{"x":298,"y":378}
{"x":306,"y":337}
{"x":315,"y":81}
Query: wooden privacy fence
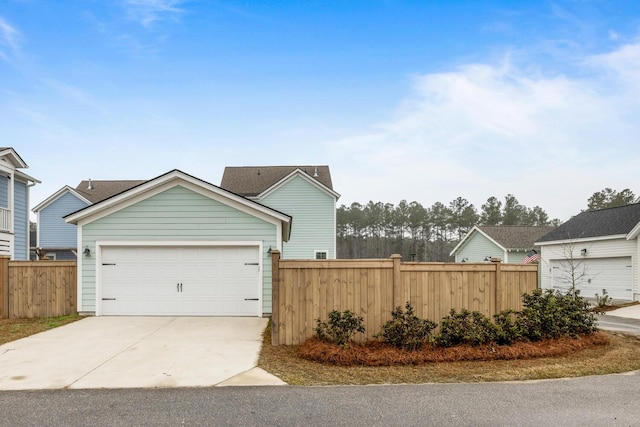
{"x":37,"y":288}
{"x":305,"y":290}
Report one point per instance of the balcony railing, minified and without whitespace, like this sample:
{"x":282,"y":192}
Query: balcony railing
{"x":5,"y":219}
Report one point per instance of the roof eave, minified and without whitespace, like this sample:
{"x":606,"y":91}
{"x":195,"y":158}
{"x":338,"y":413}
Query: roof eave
{"x":582,"y":239}
{"x":303,"y":174}
{"x":17,"y":160}
{"x":634,"y":232}
{"x":57,"y":195}
{"x":26,"y":177}
{"x":96,"y":208}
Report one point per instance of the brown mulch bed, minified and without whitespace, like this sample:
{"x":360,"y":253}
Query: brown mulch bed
{"x":376,"y":353}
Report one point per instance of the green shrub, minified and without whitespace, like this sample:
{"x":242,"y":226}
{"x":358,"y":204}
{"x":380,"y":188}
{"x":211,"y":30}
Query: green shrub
{"x":406,"y":330}
{"x":466,"y":327}
{"x":340,"y":327}
{"x":508,"y":328}
{"x":551,"y":314}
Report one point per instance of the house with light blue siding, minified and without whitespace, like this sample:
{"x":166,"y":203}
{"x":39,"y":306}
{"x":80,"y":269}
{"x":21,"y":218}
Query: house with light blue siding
{"x":14,"y":205}
{"x":57,"y":239}
{"x":509,"y":243}
{"x":177,"y":245}
{"x":304,"y":192}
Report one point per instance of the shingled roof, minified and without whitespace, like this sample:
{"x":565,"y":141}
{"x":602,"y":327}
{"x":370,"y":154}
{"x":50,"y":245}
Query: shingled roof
{"x":250,"y":181}
{"x":604,"y":222}
{"x":515,"y":237}
{"x":96,"y":191}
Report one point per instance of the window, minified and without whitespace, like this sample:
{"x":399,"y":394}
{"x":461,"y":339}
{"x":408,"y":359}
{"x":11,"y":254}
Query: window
{"x":321,"y":254}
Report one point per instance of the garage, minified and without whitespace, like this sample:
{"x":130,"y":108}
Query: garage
{"x":177,"y":246}
{"x":595,"y":274}
{"x":180,"y":280}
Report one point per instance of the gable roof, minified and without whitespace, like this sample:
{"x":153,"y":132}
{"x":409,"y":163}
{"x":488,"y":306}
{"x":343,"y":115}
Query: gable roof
{"x":618,"y":221}
{"x":16,"y":161}
{"x":95,"y":190}
{"x":251,"y":181}
{"x":64,"y":190}
{"x":513,"y":237}
{"x":175,"y":177}
{"x":508,"y":237}
{"x":14,"y":156}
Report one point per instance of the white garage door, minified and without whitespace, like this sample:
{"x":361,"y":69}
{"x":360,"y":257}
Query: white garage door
{"x":185,"y":281}
{"x":595,"y":274}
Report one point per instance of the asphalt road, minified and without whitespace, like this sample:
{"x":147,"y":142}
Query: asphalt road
{"x":622,"y":324}
{"x":610,"y":400}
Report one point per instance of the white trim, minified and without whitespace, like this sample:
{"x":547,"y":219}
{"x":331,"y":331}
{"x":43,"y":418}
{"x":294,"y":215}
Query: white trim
{"x":17,"y":161}
{"x":26,"y":178}
{"x":79,"y":272}
{"x":170,"y":180}
{"x":318,"y":251}
{"x":66,"y":189}
{"x":468,"y":237}
{"x":335,"y":231}
{"x":634,"y":232}
{"x":584,"y":239}
{"x":100,"y":244}
{"x":301,"y":173}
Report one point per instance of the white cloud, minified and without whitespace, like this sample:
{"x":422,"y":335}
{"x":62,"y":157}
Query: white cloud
{"x":147,"y":12}
{"x":492,"y":129}
{"x":9,"y":36}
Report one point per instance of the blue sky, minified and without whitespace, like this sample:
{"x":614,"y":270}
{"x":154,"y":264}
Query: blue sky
{"x":416,"y":100}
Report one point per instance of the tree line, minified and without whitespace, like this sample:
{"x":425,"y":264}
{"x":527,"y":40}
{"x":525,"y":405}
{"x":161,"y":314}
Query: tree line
{"x":377,"y":230}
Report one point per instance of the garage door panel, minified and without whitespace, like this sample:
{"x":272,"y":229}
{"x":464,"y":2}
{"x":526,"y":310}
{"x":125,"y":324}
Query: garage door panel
{"x":180,"y":281}
{"x":592,"y":275}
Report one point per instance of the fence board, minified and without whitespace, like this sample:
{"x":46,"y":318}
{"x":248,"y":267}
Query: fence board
{"x":310,"y":289}
{"x":37,"y":288}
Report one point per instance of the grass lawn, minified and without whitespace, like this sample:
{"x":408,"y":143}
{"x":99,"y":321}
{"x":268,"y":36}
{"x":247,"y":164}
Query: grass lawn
{"x":14,"y":329}
{"x":621,"y":355}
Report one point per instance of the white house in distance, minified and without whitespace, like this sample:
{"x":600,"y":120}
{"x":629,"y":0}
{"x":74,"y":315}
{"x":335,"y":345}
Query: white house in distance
{"x":509,"y":243}
{"x":600,"y":248}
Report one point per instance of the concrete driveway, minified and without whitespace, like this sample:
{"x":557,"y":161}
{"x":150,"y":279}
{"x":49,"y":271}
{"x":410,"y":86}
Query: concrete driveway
{"x":124,"y":352}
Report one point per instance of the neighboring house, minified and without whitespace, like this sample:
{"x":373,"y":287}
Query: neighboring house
{"x":303,"y":192}
{"x":599,"y":249}
{"x":14,"y":205}
{"x":56,"y":238}
{"x":509,"y":243}
{"x":178,"y":245}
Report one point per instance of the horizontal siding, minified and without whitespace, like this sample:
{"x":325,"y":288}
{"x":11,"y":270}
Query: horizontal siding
{"x":176,"y":214}
{"x":4,"y":192}
{"x":54,"y":231}
{"x":478,"y":248}
{"x":21,"y":221}
{"x":313,"y":212}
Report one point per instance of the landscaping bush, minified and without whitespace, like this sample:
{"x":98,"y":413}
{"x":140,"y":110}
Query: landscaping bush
{"x":509,"y":329}
{"x":406,"y":330}
{"x":340,"y":327}
{"x":551,"y":314}
{"x":466,"y":327}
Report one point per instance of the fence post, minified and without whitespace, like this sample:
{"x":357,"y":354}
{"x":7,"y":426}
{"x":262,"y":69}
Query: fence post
{"x":4,"y":286}
{"x":275,"y":297}
{"x":397,"y":279}
{"x":500,"y":291}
